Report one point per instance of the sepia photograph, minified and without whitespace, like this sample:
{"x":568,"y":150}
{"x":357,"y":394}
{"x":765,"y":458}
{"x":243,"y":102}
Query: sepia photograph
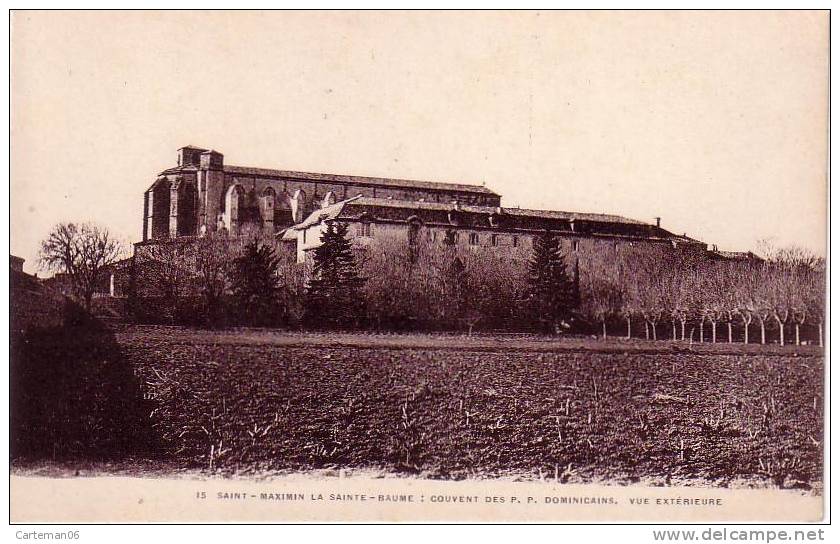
{"x":418,"y":266}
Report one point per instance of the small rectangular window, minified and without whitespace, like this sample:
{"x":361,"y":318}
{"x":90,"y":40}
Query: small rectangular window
{"x":364,"y":229}
{"x":494,"y":240}
{"x":473,"y":239}
{"x":516,"y":241}
{"x":575,"y":245}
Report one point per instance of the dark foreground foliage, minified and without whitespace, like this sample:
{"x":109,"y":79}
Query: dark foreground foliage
{"x":243,"y":403}
{"x":74,"y":395}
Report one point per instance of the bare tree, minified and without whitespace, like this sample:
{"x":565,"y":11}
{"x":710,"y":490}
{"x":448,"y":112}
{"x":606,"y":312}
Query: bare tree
{"x":629,"y":272}
{"x":783,"y":295}
{"x":602,"y":292}
{"x":405,"y":284}
{"x":719,"y":295}
{"x":763,"y":314}
{"x":165,"y":266}
{"x":678,"y":299}
{"x":685,"y":287}
{"x":82,"y":251}
{"x":799,"y":286}
{"x":815,"y":298}
{"x":653,"y":269}
{"x":428,"y":282}
{"x":210,"y":258}
{"x":495,"y":285}
{"x":727,"y":274}
{"x":292,"y":279}
{"x":630,"y":303}
{"x":745,"y":288}
{"x":758,"y":295}
{"x":786,"y":281}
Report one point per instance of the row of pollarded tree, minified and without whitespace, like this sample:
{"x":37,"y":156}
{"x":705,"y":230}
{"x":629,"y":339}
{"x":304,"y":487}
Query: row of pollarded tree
{"x":786,"y":288}
{"x":400,"y":282}
{"x":652,"y":284}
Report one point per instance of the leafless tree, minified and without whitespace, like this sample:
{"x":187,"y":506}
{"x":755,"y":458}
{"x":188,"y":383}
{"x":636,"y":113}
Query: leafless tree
{"x":719,"y":295}
{"x":815,"y":297}
{"x":602,"y":291}
{"x":757,"y":292}
{"x":82,"y":251}
{"x":402,"y":284}
{"x":748,"y":277}
{"x":630,"y":303}
{"x":654,"y":269}
{"x":165,"y":267}
{"x":210,"y":258}
{"x":432,"y":283}
{"x":785,"y":287}
{"x":292,"y":280}
{"x":684,"y":288}
{"x":727,"y":279}
{"x":798,"y":286}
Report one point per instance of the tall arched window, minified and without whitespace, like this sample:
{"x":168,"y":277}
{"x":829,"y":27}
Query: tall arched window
{"x":187,"y":201}
{"x":160,"y":209}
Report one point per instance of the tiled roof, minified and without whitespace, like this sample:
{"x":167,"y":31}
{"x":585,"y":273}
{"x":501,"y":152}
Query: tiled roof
{"x":544,"y":214}
{"x":338,"y":178}
{"x":358,"y":180}
{"x":179,"y":169}
{"x":575,"y":216}
{"x":488,"y":217}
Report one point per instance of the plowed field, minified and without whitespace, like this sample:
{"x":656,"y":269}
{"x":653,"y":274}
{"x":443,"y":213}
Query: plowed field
{"x":583,"y":410}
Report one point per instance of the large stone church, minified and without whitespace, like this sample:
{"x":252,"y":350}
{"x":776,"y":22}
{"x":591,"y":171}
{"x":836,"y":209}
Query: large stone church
{"x":202,"y":194}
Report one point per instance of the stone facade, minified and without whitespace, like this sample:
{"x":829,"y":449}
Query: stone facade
{"x":508,"y":230}
{"x":202,"y":194}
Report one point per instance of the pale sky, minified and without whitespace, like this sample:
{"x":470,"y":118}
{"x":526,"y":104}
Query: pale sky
{"x":714,"y":121}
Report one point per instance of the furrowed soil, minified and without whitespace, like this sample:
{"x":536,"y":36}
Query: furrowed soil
{"x":578,"y":410}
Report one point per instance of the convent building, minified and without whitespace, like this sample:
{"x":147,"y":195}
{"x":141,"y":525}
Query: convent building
{"x":202,"y":194}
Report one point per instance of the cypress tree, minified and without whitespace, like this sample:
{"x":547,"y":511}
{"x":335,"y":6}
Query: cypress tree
{"x":551,"y":293}
{"x":256,"y":285}
{"x":333,"y":294}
